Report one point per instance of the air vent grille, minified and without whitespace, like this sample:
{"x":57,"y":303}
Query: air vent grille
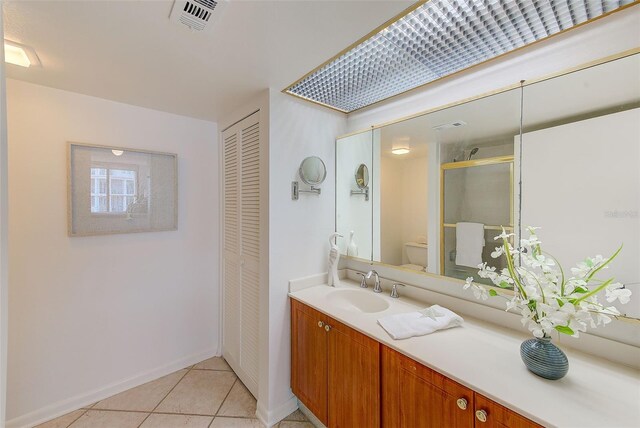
{"x":211,"y":4}
{"x":455,"y":124}
{"x":195,"y":14}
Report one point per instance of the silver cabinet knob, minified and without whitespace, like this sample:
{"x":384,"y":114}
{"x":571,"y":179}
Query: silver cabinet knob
{"x":320,"y":324}
{"x":481,"y":415}
{"x":327,"y":327}
{"x":462,"y":403}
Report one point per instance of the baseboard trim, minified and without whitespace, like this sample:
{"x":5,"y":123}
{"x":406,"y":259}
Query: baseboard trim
{"x":63,"y":407}
{"x":309,"y":414}
{"x":271,"y":417}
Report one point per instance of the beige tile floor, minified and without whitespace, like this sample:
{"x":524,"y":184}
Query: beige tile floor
{"x":206,"y":395}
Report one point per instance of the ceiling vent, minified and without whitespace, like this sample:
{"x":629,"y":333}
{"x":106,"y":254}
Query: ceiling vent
{"x":456,"y":124}
{"x":197,"y":15}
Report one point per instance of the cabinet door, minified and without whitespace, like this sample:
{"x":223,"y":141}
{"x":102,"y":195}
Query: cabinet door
{"x":354,"y":378}
{"x":414,"y":396}
{"x":309,"y":358}
{"x":498,"y":416}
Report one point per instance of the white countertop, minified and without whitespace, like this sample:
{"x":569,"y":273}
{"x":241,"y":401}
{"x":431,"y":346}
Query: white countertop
{"x":486,"y":358}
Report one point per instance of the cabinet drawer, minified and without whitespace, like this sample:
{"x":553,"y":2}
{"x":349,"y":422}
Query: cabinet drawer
{"x":436,"y":379}
{"x":498,"y":416}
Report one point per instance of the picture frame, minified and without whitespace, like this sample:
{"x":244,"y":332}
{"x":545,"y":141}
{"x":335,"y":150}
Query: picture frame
{"x":113,"y":190}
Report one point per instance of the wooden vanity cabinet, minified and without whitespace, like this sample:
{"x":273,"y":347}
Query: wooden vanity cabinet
{"x":335,"y":370}
{"x":414,"y":396}
{"x":498,"y":416}
{"x":309,"y":358}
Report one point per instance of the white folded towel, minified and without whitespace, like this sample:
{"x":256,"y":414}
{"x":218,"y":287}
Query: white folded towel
{"x":403,"y":326}
{"x":469,"y":243}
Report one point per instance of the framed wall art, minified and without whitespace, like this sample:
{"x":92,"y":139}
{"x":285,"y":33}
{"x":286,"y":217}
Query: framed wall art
{"x":120,"y":190}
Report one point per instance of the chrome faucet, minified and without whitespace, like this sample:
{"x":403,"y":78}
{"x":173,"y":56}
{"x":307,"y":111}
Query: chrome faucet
{"x":363,"y":280}
{"x":376,"y":286}
{"x":394,"y":290}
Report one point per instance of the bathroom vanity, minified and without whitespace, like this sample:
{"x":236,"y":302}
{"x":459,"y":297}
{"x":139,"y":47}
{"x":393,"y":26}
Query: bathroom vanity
{"x":349,"y":372}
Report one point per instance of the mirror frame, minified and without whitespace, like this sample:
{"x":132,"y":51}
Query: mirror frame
{"x":520,"y":85}
{"x":304,"y":178}
{"x":365,"y":168}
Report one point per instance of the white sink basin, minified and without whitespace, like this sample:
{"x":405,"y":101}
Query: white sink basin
{"x":358,"y":301}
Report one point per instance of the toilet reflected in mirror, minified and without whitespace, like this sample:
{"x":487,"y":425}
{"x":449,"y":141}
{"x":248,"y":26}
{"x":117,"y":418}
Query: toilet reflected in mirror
{"x":417,"y":255}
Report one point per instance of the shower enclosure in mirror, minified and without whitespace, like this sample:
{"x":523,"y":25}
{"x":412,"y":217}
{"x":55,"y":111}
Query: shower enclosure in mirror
{"x":477,"y":204}
{"x":444,"y":184}
{"x":442,"y":170}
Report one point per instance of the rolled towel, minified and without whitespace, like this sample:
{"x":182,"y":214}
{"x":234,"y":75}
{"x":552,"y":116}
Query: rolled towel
{"x":419,"y":323}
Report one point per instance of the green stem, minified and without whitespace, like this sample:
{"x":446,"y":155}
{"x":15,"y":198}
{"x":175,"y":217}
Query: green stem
{"x":604,"y":264}
{"x":594,"y":291}
{"x":511,"y":268}
{"x":562,"y":284}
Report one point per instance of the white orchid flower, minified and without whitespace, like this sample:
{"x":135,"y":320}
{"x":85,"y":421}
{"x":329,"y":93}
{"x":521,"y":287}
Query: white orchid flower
{"x":512,"y":303}
{"x":546,"y":299}
{"x":468,"y":282}
{"x":480,"y":292}
{"x":602,"y":319}
{"x":498,"y":252}
{"x":504,"y":235}
{"x":618,"y":292}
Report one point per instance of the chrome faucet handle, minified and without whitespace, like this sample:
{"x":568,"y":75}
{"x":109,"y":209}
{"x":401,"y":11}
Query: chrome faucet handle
{"x":394,"y":290}
{"x":376,"y":285}
{"x":363,"y":280}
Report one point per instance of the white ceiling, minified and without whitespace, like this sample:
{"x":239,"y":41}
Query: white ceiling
{"x":129,"y":51}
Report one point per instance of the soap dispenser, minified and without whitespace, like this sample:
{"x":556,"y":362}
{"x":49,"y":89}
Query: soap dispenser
{"x":334,"y":257}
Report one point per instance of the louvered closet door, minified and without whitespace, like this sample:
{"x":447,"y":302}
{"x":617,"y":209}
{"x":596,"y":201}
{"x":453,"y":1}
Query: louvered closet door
{"x":241,"y":274}
{"x":250,"y":249}
{"x":231,"y":258}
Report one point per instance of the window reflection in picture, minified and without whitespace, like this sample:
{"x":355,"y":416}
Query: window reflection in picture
{"x":116,"y":190}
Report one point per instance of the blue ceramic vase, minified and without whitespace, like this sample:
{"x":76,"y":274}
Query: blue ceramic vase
{"x":543,"y":358}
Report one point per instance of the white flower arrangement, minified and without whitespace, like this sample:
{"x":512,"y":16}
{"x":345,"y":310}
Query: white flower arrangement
{"x":545,"y":297}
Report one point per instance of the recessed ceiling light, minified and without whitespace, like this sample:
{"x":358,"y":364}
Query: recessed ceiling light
{"x":438,"y":38}
{"x":18,"y":54}
{"x":401,"y":145}
{"x":400,"y":151}
{"x":117,"y":152}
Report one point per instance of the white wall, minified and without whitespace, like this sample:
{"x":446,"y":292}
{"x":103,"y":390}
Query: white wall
{"x":598,"y":204}
{"x":94,"y":315}
{"x":403,"y":201}
{"x":391,"y":210}
{"x":4,"y":228}
{"x":298,"y":230}
{"x":607,"y":36}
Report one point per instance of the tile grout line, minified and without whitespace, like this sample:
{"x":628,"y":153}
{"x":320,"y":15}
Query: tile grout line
{"x":81,"y":415}
{"x":225,"y":399}
{"x":167,"y":394}
{"x":149,"y":413}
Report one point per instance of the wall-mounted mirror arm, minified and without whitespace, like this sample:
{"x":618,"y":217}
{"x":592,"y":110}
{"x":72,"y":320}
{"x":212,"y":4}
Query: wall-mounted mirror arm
{"x":364,"y":192}
{"x":295,"y":190}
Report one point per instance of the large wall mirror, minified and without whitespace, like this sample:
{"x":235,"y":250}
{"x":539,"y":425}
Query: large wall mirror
{"x":444,"y":184}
